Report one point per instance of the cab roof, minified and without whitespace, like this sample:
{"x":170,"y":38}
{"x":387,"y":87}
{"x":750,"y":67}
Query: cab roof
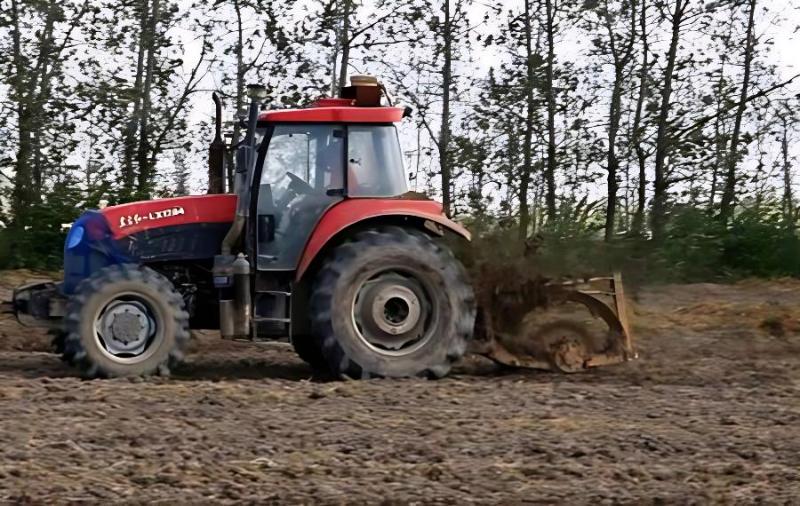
{"x":334,"y":110}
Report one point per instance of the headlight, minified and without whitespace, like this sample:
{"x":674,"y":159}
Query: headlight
{"x":75,"y":236}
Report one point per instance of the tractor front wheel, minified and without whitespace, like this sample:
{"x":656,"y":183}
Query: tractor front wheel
{"x":125,"y":320}
{"x":392,"y":302}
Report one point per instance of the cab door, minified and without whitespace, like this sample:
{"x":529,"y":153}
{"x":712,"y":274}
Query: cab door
{"x":302,"y":176}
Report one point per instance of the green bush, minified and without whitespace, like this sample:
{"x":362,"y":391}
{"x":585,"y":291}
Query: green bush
{"x":759,"y":243}
{"x":692,"y":249}
{"x":697,"y":246}
{"x":36,"y":239}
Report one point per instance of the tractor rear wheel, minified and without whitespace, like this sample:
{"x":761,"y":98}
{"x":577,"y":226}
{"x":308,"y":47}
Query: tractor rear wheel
{"x":307,"y":348}
{"x":392,"y":302}
{"x":125,"y":320}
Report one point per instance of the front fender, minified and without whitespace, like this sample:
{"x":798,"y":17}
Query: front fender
{"x":356,"y":211}
{"x":92,"y":249}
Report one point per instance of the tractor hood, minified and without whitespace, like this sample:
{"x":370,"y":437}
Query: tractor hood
{"x":135,"y":217}
{"x":176,"y":229}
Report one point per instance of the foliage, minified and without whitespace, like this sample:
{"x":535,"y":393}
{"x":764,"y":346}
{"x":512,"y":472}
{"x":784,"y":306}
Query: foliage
{"x":760,"y":244}
{"x":696,"y":247}
{"x":37,"y":239}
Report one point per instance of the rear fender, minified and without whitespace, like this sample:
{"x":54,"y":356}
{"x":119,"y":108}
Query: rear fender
{"x":344,"y":218}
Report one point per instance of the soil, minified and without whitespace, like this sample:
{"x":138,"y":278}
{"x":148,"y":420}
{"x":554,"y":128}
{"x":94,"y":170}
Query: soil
{"x":709,"y":413}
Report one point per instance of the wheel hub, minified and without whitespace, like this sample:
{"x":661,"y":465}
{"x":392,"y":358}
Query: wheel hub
{"x":395,"y":309}
{"x":125,"y":328}
{"x":390,"y":313}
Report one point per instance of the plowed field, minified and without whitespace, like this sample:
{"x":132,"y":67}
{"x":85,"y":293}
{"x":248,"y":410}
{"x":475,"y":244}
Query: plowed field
{"x":709,"y":413}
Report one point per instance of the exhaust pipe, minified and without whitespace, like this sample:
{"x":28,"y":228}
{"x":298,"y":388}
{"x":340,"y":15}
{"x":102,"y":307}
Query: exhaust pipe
{"x":216,"y":153}
{"x":232,"y":273}
{"x":245,"y":160}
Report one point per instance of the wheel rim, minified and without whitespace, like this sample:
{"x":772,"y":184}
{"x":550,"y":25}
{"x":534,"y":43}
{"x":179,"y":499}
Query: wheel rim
{"x":393,"y":313}
{"x":126,"y":328}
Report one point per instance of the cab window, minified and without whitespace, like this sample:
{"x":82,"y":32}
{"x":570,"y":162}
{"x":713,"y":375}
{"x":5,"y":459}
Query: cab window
{"x":374,"y":162}
{"x":311,"y":152}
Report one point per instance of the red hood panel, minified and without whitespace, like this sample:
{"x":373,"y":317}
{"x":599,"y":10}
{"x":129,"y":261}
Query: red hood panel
{"x":127,"y":219}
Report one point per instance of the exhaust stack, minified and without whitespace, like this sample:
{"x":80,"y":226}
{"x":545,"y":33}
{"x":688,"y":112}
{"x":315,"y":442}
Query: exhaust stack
{"x":232,"y":272}
{"x":245,"y":161}
{"x":216,"y":153}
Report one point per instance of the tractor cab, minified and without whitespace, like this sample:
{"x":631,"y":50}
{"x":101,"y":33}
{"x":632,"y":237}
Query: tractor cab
{"x":311,"y":159}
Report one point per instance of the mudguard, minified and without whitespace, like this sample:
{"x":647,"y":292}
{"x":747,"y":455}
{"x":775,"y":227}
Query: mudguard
{"x":354,"y":211}
{"x":89,"y":247}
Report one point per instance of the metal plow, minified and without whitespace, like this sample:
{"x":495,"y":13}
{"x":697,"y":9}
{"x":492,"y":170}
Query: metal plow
{"x":566,"y":326}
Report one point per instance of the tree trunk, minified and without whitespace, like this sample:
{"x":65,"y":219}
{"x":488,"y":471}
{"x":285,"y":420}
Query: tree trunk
{"x":334,"y":60}
{"x":143,"y":158}
{"x":637,"y":227}
{"x":720,"y":143}
{"x":660,"y":183}
{"x":240,"y":104}
{"x":344,"y":43}
{"x":621,"y":58}
{"x":444,"y":135}
{"x":788,"y":197}
{"x":719,"y":150}
{"x":729,"y":192}
{"x":132,"y":128}
{"x":550,"y":170}
{"x":527,"y":169}
{"x":612,"y":184}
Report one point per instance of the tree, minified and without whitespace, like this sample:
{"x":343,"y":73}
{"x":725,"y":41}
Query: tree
{"x":41,"y":36}
{"x":532,"y":64}
{"x":732,"y":159}
{"x":636,"y":136}
{"x":619,"y":21}
{"x":551,"y":10}
{"x":444,"y":37}
{"x":180,"y":175}
{"x":663,"y":142}
{"x":142,"y":114}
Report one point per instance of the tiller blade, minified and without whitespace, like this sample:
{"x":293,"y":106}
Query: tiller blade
{"x":553,"y":325}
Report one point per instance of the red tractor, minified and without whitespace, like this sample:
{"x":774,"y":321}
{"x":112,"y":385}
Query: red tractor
{"x":319,"y":241}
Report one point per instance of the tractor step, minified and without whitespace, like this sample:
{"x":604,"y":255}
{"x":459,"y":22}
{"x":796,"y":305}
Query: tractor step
{"x":269,"y":319}
{"x":271,"y":314}
{"x":274,"y":292}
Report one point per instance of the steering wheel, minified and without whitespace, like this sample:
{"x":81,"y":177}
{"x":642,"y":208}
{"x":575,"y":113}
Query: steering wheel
{"x":298,"y":186}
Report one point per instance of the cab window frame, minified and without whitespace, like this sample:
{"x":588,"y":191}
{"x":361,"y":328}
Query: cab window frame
{"x":273,"y":128}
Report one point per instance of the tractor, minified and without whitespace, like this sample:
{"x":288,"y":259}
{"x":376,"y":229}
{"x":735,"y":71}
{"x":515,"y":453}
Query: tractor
{"x":308,"y":232}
